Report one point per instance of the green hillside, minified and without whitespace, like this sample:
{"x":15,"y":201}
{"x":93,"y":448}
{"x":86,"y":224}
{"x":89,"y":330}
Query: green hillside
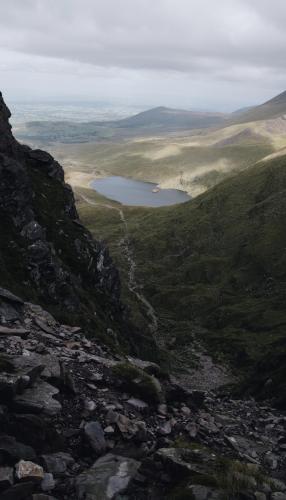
{"x":215,"y":266}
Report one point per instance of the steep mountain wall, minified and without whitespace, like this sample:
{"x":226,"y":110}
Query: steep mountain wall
{"x":46,"y":255}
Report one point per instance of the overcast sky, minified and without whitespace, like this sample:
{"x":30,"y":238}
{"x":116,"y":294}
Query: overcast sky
{"x":202,"y":54}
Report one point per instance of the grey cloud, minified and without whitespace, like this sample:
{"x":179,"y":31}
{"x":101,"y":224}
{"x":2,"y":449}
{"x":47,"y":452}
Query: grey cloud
{"x":223,"y":40}
{"x":161,"y":34}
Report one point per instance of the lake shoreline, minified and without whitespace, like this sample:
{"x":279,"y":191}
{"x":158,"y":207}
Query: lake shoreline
{"x":137,"y":193}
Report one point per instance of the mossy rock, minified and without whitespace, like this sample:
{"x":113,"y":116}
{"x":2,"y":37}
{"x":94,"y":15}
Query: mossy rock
{"x":197,"y":468}
{"x":139,"y":383}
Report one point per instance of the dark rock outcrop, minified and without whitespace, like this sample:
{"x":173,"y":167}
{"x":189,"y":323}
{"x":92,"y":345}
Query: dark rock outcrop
{"x":45,"y":253}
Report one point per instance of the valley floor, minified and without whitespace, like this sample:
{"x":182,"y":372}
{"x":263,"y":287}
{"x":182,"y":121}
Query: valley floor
{"x":205,"y":374}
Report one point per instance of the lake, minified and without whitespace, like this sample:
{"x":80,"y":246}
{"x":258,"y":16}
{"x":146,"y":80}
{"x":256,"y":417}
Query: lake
{"x":130,"y":192}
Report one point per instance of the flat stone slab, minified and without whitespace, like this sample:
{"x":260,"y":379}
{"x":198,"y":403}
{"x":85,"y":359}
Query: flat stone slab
{"x":5,"y":294}
{"x":39,"y":399}
{"x":57,"y":463}
{"x":108,"y":477}
{"x":13,"y":332}
{"x":21,"y":372}
{"x":184,"y":461}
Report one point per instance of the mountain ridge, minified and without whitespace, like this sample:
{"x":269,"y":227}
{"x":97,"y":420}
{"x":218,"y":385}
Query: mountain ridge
{"x":153,"y":121}
{"x":273,"y":108}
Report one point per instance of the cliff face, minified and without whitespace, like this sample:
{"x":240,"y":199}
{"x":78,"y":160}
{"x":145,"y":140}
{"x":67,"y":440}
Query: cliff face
{"x":45,"y":253}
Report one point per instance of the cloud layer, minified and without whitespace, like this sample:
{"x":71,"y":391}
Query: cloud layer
{"x":196,"y":51}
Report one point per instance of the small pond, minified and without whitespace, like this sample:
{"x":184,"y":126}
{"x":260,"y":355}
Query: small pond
{"x":131,"y":192}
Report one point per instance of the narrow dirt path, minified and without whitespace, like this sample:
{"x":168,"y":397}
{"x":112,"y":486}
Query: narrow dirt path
{"x":133,"y":285}
{"x":207,"y":375}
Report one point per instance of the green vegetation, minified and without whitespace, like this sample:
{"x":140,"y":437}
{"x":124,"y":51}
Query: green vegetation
{"x":189,"y":163}
{"x":215,"y":267}
{"x":138,"y":382}
{"x":229,"y":477}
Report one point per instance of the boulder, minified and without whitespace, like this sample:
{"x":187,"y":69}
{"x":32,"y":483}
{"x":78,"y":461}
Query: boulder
{"x":39,"y":399}
{"x":10,"y":297}
{"x":184,"y":461}
{"x":12,"y":451}
{"x":108,"y":477}
{"x":139,"y":383}
{"x":11,"y":306}
{"x":52,"y":368}
{"x":94,"y":435}
{"x":165,"y":429}
{"x":125,"y":425}
{"x":138,"y":404}
{"x":32,"y":428}
{"x":6,"y":477}
{"x":48,"y":483}
{"x":17,"y":373}
{"x":26,"y":469}
{"x":179,"y":392}
{"x":13,"y":332}
{"x":57,"y":463}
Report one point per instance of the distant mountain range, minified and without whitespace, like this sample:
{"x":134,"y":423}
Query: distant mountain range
{"x":158,"y":120}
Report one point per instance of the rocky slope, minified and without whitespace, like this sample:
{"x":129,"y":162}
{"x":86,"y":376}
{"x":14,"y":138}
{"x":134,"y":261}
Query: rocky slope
{"x":44,"y":249}
{"x":80,"y":423}
{"x":45,"y":252}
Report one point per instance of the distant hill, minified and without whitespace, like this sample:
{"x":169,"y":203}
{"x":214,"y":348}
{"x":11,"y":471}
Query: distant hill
{"x":273,"y":108}
{"x":172,"y":118}
{"x":158,"y":120}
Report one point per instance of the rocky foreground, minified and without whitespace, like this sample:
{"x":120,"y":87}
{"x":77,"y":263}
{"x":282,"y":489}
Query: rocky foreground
{"x":80,"y":423}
